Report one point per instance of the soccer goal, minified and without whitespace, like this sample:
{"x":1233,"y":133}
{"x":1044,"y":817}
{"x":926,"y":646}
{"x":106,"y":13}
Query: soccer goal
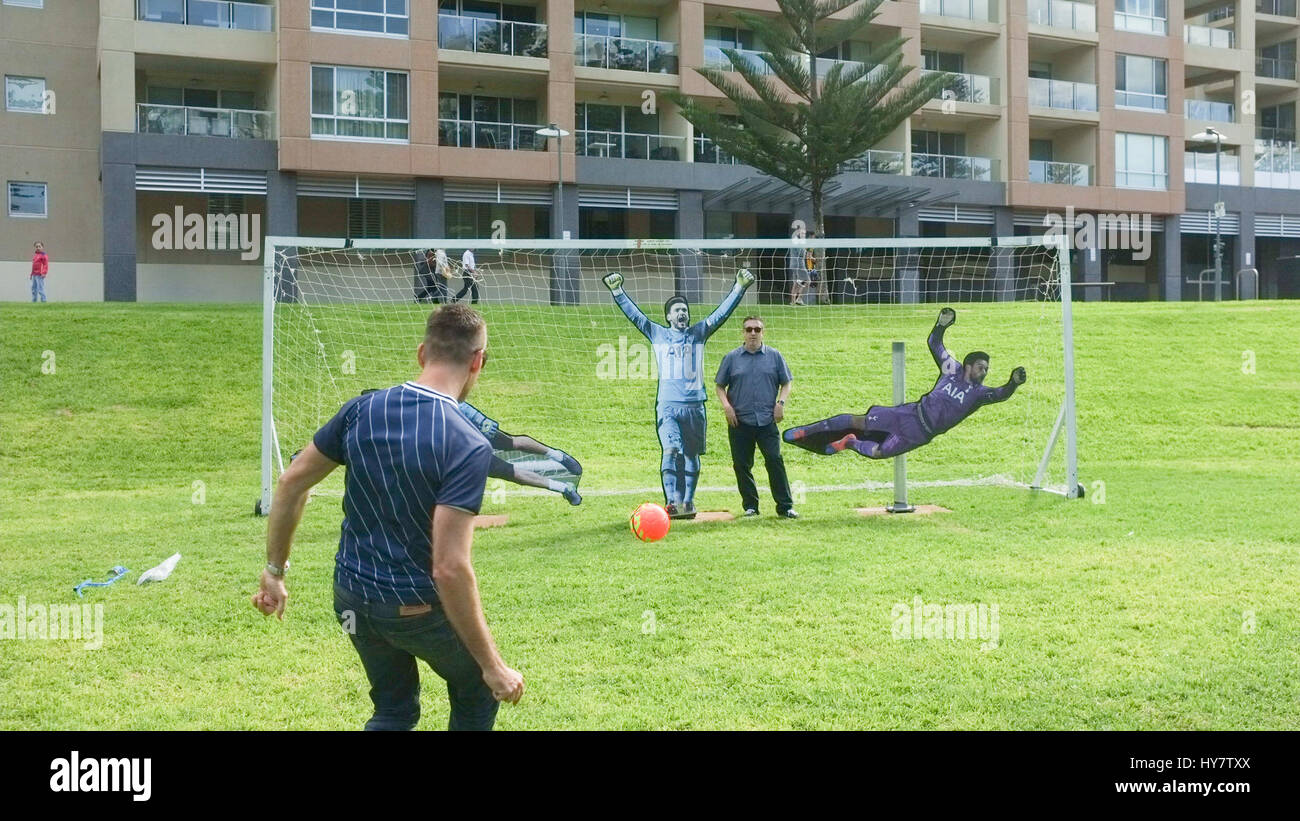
{"x":341,"y":317}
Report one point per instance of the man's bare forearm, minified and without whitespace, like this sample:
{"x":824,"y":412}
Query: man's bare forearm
{"x":458,"y":591}
{"x":784,"y":393}
{"x":286,"y":512}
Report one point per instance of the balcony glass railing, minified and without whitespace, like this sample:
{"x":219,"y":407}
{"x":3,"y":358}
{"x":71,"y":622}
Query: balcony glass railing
{"x":1277,"y":164}
{"x":968,"y":9}
{"x":1198,"y":166}
{"x":491,"y":36}
{"x":714,"y":58}
{"x":624,"y":145}
{"x":478,"y":134}
{"x":707,"y":151}
{"x":1277,"y":69}
{"x":953,"y":167}
{"x":1063,"y":14}
{"x":1209,"y":111}
{"x":967,"y":88}
{"x":1278,"y":135}
{"x":213,"y":13}
{"x":626,"y":53}
{"x":1146,"y":180}
{"x":1208,"y":36}
{"x":192,"y":121}
{"x":1062,"y":94}
{"x":1141,"y":23}
{"x":1141,"y":99}
{"x":1060,"y":173}
{"x":877,"y":161}
{"x":1280,"y":8}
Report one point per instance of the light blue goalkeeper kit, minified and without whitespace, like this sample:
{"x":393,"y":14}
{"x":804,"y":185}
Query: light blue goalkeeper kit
{"x":679,"y":406}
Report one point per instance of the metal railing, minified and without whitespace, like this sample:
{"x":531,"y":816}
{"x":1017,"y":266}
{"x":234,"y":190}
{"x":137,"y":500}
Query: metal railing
{"x":877,"y":161}
{"x":1279,"y":8}
{"x":1277,"y":135}
{"x":479,"y":134}
{"x":714,"y":58}
{"x":1198,"y":166}
{"x":1063,"y":14}
{"x":1141,"y":23}
{"x":220,"y":14}
{"x":1060,"y":173}
{"x":707,"y":150}
{"x":953,"y":167}
{"x":1209,"y":110}
{"x":475,"y":34}
{"x":1145,"y":180}
{"x":1141,"y":99}
{"x":967,"y":88}
{"x":626,"y":53}
{"x":1194,"y":35}
{"x":194,"y":121}
{"x":969,"y":9}
{"x":1275,"y":68}
{"x":629,"y":146}
{"x":1063,"y":94}
{"x":1277,"y":164}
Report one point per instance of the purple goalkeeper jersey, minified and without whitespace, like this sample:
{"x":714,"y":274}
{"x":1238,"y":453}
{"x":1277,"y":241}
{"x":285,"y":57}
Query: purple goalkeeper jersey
{"x":952,"y":398}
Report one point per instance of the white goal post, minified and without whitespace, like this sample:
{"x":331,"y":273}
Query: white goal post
{"x":342,"y":316}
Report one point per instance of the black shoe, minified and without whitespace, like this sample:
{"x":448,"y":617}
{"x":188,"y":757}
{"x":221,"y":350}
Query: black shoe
{"x":673,"y":512}
{"x":688,"y":510}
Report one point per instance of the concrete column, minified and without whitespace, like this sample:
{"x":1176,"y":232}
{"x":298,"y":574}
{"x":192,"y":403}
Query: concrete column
{"x":430,"y":214}
{"x":1090,"y":271}
{"x":282,"y":220}
{"x":1246,"y":287}
{"x":690,"y":225}
{"x":1171,"y":261}
{"x":1001,"y":266}
{"x":568,"y":221}
{"x":119,"y":232}
{"x":907,"y":262}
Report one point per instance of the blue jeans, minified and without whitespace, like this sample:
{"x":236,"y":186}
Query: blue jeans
{"x":38,"y":288}
{"x":389,"y":645}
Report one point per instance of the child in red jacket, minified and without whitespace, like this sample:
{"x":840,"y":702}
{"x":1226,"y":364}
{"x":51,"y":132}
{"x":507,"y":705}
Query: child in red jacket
{"x":40,"y":267}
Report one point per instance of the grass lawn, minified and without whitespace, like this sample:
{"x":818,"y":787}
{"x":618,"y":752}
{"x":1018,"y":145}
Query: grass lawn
{"x":1169,"y":605}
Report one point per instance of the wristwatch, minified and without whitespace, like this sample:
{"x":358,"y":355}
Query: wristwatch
{"x":277,"y":571}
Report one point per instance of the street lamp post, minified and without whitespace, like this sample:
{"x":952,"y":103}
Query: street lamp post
{"x":553,"y":130}
{"x":1217,"y":136}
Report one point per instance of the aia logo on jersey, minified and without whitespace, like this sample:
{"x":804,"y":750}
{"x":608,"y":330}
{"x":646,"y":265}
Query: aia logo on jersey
{"x":485,"y":426}
{"x":960,"y":396}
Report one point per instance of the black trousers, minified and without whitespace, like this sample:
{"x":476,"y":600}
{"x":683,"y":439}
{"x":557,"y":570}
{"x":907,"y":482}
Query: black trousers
{"x":743,"y":438}
{"x":470,"y":287}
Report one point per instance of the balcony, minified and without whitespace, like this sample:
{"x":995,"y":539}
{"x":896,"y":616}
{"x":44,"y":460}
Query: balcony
{"x":624,"y":145}
{"x":877,"y":161}
{"x":1278,"y":8}
{"x":481,"y":36}
{"x":1062,"y":94}
{"x":1141,"y":100}
{"x":1198,"y":166}
{"x":954,"y":167}
{"x":1060,"y":173}
{"x":1208,"y":36}
{"x":479,"y":134}
{"x":1209,"y":111}
{"x":1276,"y":135}
{"x":707,"y":151}
{"x":1277,"y":164}
{"x":191,"y":121}
{"x":1143,"y":180}
{"x":625,"y":53}
{"x":1063,"y":14}
{"x":967,"y":88}
{"x":1141,"y":23}
{"x":714,"y":58}
{"x":211,"y":13}
{"x":978,"y":10}
{"x":1274,"y":68}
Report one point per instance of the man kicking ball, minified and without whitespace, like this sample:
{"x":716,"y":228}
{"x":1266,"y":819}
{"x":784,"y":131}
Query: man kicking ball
{"x":679,"y":409}
{"x":885,"y":432}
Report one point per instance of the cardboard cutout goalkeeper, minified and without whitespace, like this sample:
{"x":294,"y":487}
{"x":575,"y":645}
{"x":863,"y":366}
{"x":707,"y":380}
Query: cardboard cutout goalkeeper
{"x":679,"y":406}
{"x":884,"y":432}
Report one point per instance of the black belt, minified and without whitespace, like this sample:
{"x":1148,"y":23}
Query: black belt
{"x":920,"y":414}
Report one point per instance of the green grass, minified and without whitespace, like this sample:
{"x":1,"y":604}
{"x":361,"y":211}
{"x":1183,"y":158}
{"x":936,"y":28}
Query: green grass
{"x":1132,"y":614}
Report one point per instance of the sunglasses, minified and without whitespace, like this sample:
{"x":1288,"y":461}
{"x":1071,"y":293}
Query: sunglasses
{"x":753,"y":330}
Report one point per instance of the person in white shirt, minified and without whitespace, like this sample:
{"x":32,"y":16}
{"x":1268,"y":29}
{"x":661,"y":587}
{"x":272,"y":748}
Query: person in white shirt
{"x":469,"y":278}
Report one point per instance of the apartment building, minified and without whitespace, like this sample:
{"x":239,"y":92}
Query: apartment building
{"x":124,"y":119}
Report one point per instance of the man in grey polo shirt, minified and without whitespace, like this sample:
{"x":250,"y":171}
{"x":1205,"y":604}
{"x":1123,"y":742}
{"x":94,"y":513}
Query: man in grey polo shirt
{"x":753,"y":383}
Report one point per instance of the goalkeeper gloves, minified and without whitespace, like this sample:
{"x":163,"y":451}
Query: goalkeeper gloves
{"x":613,"y":280}
{"x":947,"y":317}
{"x":744,"y":278}
{"x":1018,"y":376}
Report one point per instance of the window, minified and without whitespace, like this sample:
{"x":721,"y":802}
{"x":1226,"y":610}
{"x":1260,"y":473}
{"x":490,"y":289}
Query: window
{"x":1143,"y":16}
{"x":932,"y":60}
{"x":614,"y":25}
{"x":1040,"y":150}
{"x":365,"y":219}
{"x":1141,"y":161}
{"x":1040,"y":70}
{"x":1140,"y":82}
{"x":361,"y":16}
{"x":938,"y":142}
{"x":481,"y":121}
{"x":28,"y":199}
{"x":1277,"y":122}
{"x":25,"y":94}
{"x":726,"y":37}
{"x":359,"y":103}
{"x":30,"y":4}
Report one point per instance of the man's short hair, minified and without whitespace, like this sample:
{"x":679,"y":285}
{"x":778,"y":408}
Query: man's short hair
{"x":753,"y":316}
{"x":673,"y":300}
{"x":973,"y":357}
{"x":451,"y":334}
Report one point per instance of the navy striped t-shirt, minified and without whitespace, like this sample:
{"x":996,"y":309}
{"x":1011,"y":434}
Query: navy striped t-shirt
{"x":407,"y":449}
